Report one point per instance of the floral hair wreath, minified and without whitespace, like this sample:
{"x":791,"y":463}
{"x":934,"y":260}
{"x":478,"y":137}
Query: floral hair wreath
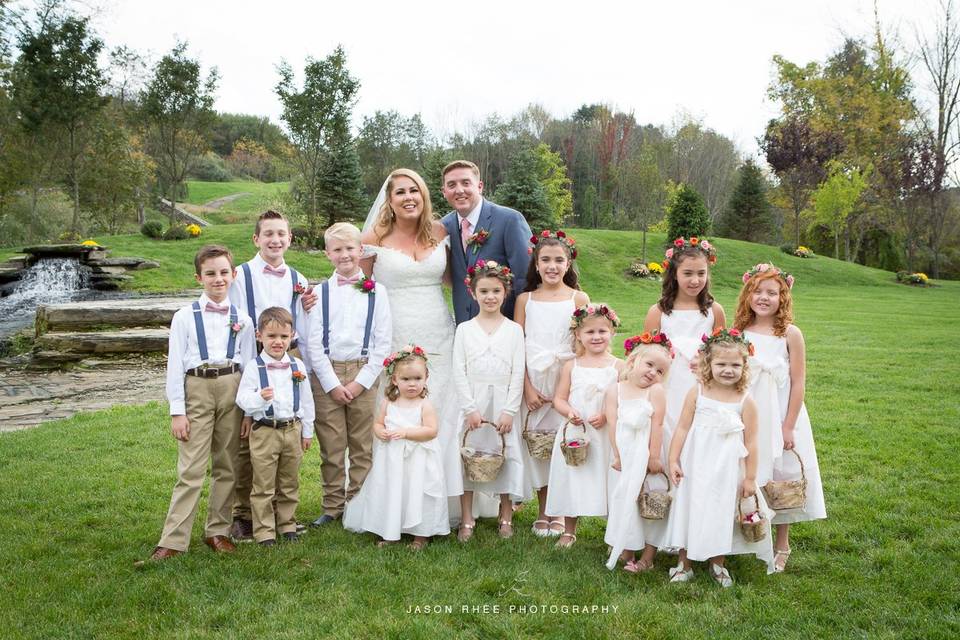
{"x":694,"y":242}
{"x":733,"y":336}
{"x":487,"y":269}
{"x":597,"y":310}
{"x":557,"y":235}
{"x":390,"y":362}
{"x":647,"y":337}
{"x":763,"y":267}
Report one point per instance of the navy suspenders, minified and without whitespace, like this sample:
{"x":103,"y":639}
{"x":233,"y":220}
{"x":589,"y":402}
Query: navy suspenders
{"x":265,"y":382}
{"x":202,"y":335}
{"x":251,"y":303}
{"x":325,"y":310}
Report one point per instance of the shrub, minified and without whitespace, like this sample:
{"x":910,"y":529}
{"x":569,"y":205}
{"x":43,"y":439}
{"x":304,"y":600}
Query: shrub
{"x":69,"y":236}
{"x":152,"y":229}
{"x":787,"y":248}
{"x":210,"y":168}
{"x":303,"y":240}
{"x":176,"y":232}
{"x":687,"y":214}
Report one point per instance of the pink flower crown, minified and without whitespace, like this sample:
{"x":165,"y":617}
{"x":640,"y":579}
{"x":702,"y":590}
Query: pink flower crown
{"x":763,"y":267}
{"x":488,"y":269}
{"x":408,"y":351}
{"x":694,"y":242}
{"x":734,"y":336}
{"x":557,"y":235}
{"x":593,"y":310}
{"x":657,"y":337}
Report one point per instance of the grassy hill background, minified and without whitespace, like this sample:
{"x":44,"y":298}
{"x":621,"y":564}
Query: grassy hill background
{"x":883,"y":386}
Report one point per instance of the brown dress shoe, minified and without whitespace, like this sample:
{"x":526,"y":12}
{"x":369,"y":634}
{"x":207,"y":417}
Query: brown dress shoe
{"x":162,"y":553}
{"x":220,"y":544}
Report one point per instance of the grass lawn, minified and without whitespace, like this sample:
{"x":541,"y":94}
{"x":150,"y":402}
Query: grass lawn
{"x":88,"y":497}
{"x":260,"y":196}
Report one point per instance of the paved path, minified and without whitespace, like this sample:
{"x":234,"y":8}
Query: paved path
{"x":219,"y":202}
{"x":29,"y":398}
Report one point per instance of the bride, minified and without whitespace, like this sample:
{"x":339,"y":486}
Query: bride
{"x":406,"y":251}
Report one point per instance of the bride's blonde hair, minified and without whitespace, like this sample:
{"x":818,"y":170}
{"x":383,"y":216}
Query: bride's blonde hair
{"x":386,"y":220}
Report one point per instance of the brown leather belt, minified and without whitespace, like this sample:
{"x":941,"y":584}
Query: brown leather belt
{"x":274,"y":424}
{"x":213,"y":372}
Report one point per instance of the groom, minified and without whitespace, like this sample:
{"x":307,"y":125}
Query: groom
{"x":480,"y":229}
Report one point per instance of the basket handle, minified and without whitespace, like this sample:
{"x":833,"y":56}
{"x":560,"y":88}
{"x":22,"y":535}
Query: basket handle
{"x":503,"y":440}
{"x":803,"y":475}
{"x":661,"y":473}
{"x":568,"y":423}
{"x":756,"y":502}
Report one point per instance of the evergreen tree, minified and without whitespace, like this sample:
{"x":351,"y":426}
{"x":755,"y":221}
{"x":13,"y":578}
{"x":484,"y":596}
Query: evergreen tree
{"x":687,"y":214}
{"x":340,"y":183}
{"x":523,"y":191}
{"x":748,"y":215}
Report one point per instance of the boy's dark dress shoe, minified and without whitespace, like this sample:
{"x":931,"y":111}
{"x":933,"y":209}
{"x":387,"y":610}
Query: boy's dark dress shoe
{"x":322,"y":520}
{"x":269,"y":542}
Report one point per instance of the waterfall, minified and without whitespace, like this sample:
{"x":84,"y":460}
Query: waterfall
{"x":49,"y":281}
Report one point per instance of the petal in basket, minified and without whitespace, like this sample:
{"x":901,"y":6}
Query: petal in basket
{"x":574,"y":449}
{"x":753,"y":525}
{"x":482,"y":466}
{"x":787,"y":494}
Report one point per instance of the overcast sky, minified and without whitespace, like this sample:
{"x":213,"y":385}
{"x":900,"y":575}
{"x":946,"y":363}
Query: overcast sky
{"x":456,"y":62}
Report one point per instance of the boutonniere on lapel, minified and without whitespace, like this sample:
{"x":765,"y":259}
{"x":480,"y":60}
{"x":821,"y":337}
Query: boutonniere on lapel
{"x":236,"y":327}
{"x":478,"y":239}
{"x":366,"y":285}
{"x":298,"y":290}
{"x":298,"y":376}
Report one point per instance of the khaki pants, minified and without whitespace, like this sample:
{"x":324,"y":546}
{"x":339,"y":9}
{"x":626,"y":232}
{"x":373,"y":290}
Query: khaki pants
{"x":214,"y":419}
{"x":339,"y":427}
{"x":244,"y":470}
{"x":275,"y":456}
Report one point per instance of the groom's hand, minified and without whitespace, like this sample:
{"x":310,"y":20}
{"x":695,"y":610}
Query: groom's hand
{"x":341,"y":395}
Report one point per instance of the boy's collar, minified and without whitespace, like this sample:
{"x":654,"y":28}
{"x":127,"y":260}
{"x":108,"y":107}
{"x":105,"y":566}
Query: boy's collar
{"x":267,"y":357}
{"x":358,"y":272}
{"x":205,"y":298}
{"x":260,"y":262}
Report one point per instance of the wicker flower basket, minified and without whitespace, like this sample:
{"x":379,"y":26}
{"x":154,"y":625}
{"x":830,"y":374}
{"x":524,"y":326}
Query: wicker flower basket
{"x":539,"y":443}
{"x":654,"y":505}
{"x":752,"y":531}
{"x":482,"y":466}
{"x":575,"y":449}
{"x":787,"y":494}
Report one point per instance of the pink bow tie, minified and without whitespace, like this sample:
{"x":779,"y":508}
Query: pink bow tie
{"x":273,"y":271}
{"x":278,"y":365}
{"x":216,"y":308}
{"x":351,"y":280}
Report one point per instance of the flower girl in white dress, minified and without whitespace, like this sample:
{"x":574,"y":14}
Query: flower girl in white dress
{"x":488,"y":366}
{"x":713,"y":464}
{"x":765,"y":315}
{"x":582,"y":490}
{"x":404,"y":492}
{"x":635,"y":408}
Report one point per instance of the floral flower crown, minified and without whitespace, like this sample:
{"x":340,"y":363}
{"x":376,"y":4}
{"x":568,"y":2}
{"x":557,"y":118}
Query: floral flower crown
{"x":488,"y":269}
{"x":694,"y":242}
{"x":734,"y":336}
{"x":763,"y":267}
{"x":557,"y":235}
{"x":657,"y":337}
{"x":598,"y":310}
{"x":410,"y":350}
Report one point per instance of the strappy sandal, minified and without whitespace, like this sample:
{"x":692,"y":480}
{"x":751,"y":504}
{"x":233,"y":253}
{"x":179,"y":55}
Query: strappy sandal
{"x":385,"y":543}
{"x":561,"y":545}
{"x":541,"y":533}
{"x":508,"y":533}
{"x":638,"y":566}
{"x":679,"y":574}
{"x":778,"y":566}
{"x":721,"y":575}
{"x":417,"y":545}
{"x":465,"y":532}
{"x":556,"y":532}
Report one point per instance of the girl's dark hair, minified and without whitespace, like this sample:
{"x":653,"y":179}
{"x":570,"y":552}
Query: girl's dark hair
{"x":570,"y":278}
{"x":668,"y":294}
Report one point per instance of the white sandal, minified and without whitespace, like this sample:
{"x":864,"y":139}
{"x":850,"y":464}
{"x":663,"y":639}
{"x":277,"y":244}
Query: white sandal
{"x":679,"y":574}
{"x":721,"y":575}
{"x":541,"y":533}
{"x":780,"y":567}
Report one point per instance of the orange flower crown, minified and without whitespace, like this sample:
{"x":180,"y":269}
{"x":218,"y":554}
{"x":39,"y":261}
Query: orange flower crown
{"x":597,"y":310}
{"x":557,"y":235}
{"x":657,"y":337}
{"x":410,"y":350}
{"x":488,"y":269}
{"x":694,"y":242}
{"x":730,"y":336}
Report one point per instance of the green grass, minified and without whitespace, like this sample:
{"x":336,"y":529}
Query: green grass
{"x":87,"y":497}
{"x":261,"y":196}
{"x":203,"y":192}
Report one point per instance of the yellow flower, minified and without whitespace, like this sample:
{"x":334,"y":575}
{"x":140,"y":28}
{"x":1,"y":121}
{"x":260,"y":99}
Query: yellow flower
{"x":194,"y":230}
{"x":90,"y":243}
{"x":655,"y":267}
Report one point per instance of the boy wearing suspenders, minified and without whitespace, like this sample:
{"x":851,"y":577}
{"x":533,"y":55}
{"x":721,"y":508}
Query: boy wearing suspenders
{"x":275,"y":391}
{"x":348,"y":344}
{"x":267,"y":281}
{"x":209,"y":342}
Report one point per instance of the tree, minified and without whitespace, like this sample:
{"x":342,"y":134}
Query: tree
{"x":556,"y":185}
{"x":747,"y":216}
{"x":523,"y":191}
{"x":643,"y":190}
{"x":340,"y":183}
{"x":60,"y":85}
{"x":313,"y":115}
{"x":687,"y":215}
{"x":835,"y":199}
{"x":178,"y":107}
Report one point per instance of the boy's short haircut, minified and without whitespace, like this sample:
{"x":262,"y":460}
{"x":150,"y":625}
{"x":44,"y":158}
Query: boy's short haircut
{"x":460,"y":164}
{"x":278,"y":315}
{"x":270,"y":214}
{"x":343,"y":231}
{"x":209,"y":252}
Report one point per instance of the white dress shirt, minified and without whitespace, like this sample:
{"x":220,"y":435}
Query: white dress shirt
{"x":271,"y":291}
{"x":183,"y":352}
{"x":348,"y":318}
{"x":473,"y":217}
{"x":253,"y":404}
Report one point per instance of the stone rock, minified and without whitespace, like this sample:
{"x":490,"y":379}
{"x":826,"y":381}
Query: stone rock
{"x":131,"y":312}
{"x":104,"y":342}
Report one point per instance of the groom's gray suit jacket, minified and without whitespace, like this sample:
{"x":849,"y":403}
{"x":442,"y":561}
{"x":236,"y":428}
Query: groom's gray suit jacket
{"x":507,"y":244}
